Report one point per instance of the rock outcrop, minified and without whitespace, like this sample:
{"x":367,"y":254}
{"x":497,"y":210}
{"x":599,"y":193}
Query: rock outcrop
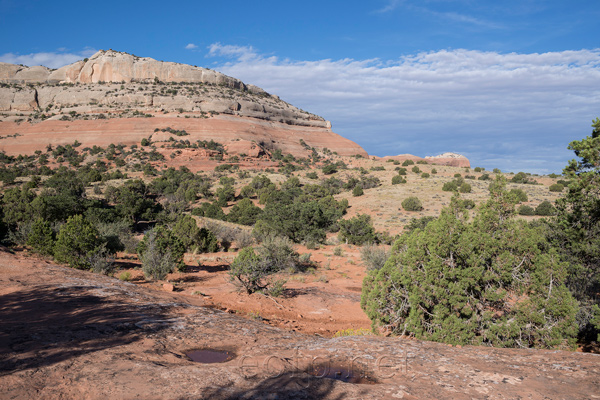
{"x":449,"y":159}
{"x":111,"y":79}
{"x":65,"y":333}
{"x":115,"y":97}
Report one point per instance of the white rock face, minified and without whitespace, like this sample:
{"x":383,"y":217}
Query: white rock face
{"x":111,"y":82}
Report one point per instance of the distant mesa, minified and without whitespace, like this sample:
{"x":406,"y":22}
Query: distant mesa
{"x":117,"y":97}
{"x":449,"y":159}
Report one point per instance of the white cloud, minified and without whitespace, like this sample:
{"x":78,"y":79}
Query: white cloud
{"x":390,"y":6}
{"x":519,"y":108}
{"x":48,"y":59}
{"x":241,"y":53}
{"x":191,"y":46}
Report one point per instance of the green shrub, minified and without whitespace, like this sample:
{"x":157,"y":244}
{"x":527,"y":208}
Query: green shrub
{"x":545,"y":208}
{"x":412,"y":204}
{"x":434,"y":171}
{"x":357,"y":191}
{"x":357,"y":230}
{"x":557,"y":187}
{"x":465,"y":188}
{"x":450,"y":281}
{"x":161,"y":252}
{"x":526,"y":210}
{"x":312,"y":175}
{"x":457,"y":175}
{"x":520,"y":195}
{"x":41,"y":237}
{"x":478,"y":169}
{"x":397,"y":179}
{"x":418,"y":223}
{"x":337,"y":251}
{"x":406,"y":163}
{"x":484,"y":177}
{"x":450,"y":186}
{"x":416,"y":170}
{"x":401,"y":171}
{"x":244,"y":212}
{"x":75,"y":242}
{"x":425,"y":175}
{"x":329,"y":169}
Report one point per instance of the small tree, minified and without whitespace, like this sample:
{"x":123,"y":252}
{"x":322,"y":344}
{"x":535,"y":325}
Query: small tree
{"x":76,"y":240}
{"x":41,"y":238}
{"x":452,"y":282}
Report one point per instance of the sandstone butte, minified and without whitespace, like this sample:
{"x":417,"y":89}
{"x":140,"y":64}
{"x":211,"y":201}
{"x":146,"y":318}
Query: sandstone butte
{"x":119,"y":98}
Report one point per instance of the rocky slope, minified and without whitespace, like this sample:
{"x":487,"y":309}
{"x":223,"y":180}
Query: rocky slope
{"x":115,"y":97}
{"x":72,"y":334}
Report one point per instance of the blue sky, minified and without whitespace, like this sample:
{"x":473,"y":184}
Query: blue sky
{"x":506,"y":83}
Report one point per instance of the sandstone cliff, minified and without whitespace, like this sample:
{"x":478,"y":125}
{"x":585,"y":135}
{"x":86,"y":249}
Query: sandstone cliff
{"x":449,"y":159}
{"x":115,"y":97}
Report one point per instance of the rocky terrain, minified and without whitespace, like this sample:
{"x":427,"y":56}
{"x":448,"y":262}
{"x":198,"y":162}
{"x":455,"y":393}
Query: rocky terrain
{"x":119,"y":98}
{"x":72,"y":334}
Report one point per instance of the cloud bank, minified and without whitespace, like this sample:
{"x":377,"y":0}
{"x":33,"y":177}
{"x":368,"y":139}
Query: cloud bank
{"x":512,"y":111}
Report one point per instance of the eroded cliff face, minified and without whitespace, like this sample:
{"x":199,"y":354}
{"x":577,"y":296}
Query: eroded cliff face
{"x":121,"y":98}
{"x":112,"y":82}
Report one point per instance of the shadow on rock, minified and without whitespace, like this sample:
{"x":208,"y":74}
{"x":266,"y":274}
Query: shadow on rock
{"x":286,"y":386}
{"x":46,"y":325}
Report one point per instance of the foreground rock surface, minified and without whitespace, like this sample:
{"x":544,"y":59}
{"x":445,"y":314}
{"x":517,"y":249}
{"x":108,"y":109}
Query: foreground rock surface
{"x":71,"y":334}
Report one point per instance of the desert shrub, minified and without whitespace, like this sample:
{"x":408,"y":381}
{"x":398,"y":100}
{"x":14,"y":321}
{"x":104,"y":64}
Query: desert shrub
{"x":278,"y":251}
{"x":357,"y":230}
{"x":525,"y":210}
{"x":253,"y":270}
{"x":225,"y":194}
{"x":338,"y":251}
{"x":101,"y":260}
{"x":397,"y":179}
{"x":545,"y":208}
{"x":465,"y":188}
{"x":243,"y":239}
{"x":416,"y":170}
{"x":434,"y":171}
{"x":161,"y":252}
{"x":247,"y":192}
{"x":457,"y":175}
{"x":496,"y":171}
{"x":472,"y":177}
{"x":478,"y":169}
{"x":484,"y":177}
{"x":401,"y":171}
{"x":450,"y":186}
{"x":450,"y":281}
{"x":522,"y":177}
{"x":329,"y":169}
{"x":357,"y":191}
{"x":76,"y":241}
{"x":244,"y":213}
{"x":209,"y":210}
{"x":557,"y":187}
{"x":250,"y":271}
{"x":424,"y":162}
{"x":412,"y":204}
{"x":406,"y":163}
{"x":520,"y":195}
{"x":41,"y":237}
{"x":425,"y":175}
{"x":374,"y":256}
{"x":378,"y":168}
{"x":312,"y":175}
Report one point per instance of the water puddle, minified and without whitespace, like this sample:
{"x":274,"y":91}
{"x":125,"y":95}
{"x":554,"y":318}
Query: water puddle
{"x":341,"y":373}
{"x":206,"y":356}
